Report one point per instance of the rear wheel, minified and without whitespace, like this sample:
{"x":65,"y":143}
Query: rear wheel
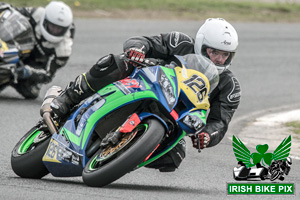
{"x":26,"y":158}
{"x":112,"y":162}
{"x":274,"y":175}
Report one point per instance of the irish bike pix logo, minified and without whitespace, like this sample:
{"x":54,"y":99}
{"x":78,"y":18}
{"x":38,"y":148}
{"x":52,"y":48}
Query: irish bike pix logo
{"x":272,"y":168}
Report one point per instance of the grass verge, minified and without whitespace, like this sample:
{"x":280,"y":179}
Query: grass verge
{"x":294,"y":126}
{"x":233,"y":10}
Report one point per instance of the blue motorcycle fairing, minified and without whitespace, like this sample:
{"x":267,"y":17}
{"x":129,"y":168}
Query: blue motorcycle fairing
{"x":149,"y":79}
{"x":76,"y":129}
{"x":60,"y":151}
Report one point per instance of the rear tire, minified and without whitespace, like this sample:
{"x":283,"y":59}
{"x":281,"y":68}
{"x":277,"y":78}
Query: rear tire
{"x":26,"y":157}
{"x":274,"y":175}
{"x":101,"y":173}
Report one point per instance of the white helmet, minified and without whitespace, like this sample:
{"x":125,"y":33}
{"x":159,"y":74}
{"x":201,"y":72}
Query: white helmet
{"x":217,"y":33}
{"x":56,"y":21}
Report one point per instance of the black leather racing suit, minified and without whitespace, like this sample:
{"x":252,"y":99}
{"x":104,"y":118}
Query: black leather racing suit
{"x":224,"y":100}
{"x":46,"y":58}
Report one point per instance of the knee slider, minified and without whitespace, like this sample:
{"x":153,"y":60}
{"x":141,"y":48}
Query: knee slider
{"x":178,"y":153}
{"x":104,"y":66}
{"x":107,"y":70}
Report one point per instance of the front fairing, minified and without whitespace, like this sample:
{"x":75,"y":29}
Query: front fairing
{"x":194,"y":88}
{"x":160,"y":84}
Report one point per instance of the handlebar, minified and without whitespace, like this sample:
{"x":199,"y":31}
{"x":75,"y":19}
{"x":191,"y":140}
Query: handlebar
{"x":147,"y":62}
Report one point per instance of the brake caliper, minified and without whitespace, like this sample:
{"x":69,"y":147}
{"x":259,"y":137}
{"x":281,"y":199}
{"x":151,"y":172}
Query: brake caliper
{"x":130,"y":123}
{"x":127,"y":127}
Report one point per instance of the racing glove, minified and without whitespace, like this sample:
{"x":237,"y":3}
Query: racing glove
{"x":23,"y":72}
{"x":135,"y":54}
{"x":37,"y":75}
{"x":203,"y":139}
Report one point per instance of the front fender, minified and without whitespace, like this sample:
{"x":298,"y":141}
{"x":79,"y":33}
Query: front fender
{"x":145,"y":115}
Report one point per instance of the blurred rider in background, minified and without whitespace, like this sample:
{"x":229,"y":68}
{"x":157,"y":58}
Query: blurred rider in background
{"x":216,"y":40}
{"x":54,"y":30}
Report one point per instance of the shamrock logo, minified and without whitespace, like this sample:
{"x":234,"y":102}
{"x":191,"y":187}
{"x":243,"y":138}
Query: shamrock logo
{"x":242,"y":153}
{"x":266,"y":158}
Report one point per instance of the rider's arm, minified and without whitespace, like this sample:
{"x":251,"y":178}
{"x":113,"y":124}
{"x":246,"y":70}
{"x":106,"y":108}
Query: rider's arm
{"x":162,"y":46}
{"x":224,"y":100}
{"x":43,"y":72}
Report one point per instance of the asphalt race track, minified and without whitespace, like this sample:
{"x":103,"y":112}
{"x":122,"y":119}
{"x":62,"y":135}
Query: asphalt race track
{"x":267,"y":65}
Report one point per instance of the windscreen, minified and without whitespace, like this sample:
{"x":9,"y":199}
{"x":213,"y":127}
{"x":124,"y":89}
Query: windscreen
{"x":15,"y":28}
{"x":205,"y":66}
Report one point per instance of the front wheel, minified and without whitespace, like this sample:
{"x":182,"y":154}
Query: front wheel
{"x":26,"y":157}
{"x":112,"y":162}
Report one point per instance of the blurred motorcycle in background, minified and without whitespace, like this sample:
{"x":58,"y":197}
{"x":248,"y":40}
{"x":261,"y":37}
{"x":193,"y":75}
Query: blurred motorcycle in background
{"x":16,"y":42}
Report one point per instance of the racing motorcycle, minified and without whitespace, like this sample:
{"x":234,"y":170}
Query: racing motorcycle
{"x":16,"y":42}
{"x":124,"y":126}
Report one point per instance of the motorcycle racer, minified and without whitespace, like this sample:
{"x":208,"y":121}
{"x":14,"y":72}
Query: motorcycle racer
{"x":53,"y":29}
{"x":216,"y":40}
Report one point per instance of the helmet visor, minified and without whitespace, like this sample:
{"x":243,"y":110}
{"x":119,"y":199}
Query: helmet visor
{"x":224,"y":58}
{"x":54,"y":29}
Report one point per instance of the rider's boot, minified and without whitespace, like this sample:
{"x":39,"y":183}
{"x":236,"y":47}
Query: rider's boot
{"x":171,"y":160}
{"x":71,"y":96}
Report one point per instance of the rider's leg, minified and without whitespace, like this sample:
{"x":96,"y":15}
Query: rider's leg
{"x":28,"y":89}
{"x":107,"y":70}
{"x":74,"y":93}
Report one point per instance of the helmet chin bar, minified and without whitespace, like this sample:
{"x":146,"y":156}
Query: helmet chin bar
{"x":222,"y":68}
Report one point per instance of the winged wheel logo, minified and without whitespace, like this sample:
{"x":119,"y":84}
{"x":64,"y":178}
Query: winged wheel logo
{"x":243,"y":154}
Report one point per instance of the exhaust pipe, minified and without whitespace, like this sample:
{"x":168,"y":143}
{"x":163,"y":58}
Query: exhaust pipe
{"x":46,"y":110}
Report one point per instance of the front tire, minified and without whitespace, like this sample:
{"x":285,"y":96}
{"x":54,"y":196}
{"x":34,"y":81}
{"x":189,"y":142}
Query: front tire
{"x":101,"y":170}
{"x":26,"y":157}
